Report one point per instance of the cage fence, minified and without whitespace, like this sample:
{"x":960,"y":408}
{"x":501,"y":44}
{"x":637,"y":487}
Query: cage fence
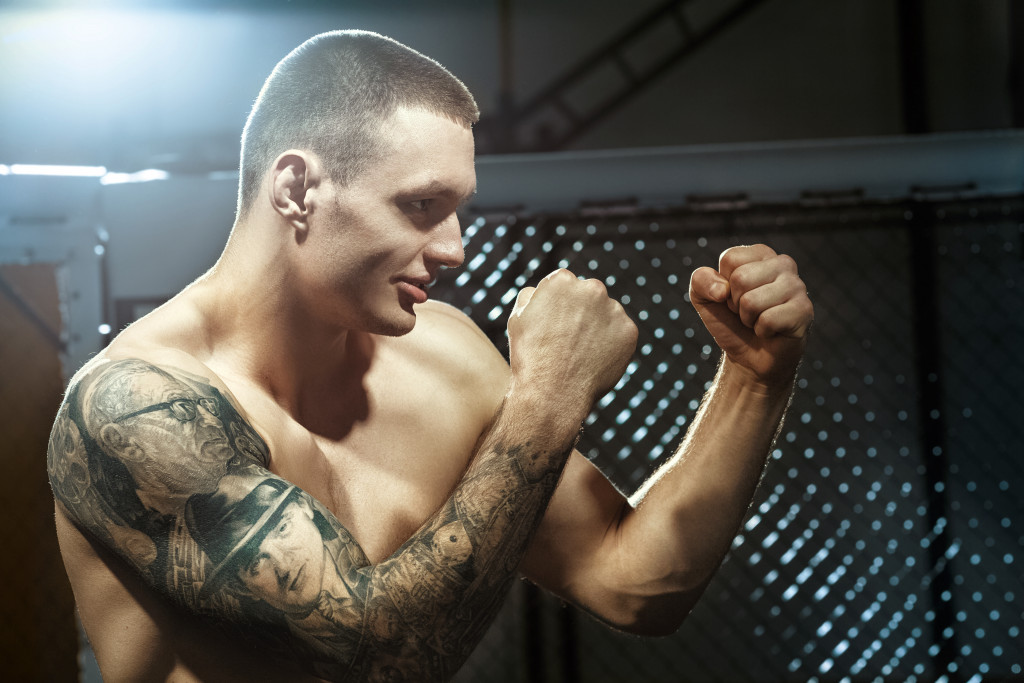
{"x":885,"y":541}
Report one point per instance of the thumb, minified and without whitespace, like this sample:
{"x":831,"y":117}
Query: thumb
{"x":707,"y":286}
{"x":709,"y":294}
{"x":522,"y":299}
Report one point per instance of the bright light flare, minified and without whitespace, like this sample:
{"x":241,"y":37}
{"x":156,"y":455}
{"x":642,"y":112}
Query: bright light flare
{"x":99,"y":53}
{"x":57,"y":170}
{"x":138,"y":177}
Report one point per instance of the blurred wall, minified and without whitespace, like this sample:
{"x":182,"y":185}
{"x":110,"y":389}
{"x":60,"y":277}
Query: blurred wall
{"x":170,"y":86}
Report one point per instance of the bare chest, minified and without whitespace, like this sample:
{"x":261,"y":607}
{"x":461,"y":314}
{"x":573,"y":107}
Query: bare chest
{"x":386,"y":472}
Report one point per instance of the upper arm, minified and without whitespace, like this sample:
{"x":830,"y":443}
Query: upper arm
{"x":574,"y":551}
{"x":158,"y":465}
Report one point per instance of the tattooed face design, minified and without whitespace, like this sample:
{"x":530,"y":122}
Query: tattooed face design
{"x":288,"y":568}
{"x":162,"y":419}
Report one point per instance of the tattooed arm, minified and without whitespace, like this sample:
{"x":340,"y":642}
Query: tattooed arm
{"x":157,"y":464}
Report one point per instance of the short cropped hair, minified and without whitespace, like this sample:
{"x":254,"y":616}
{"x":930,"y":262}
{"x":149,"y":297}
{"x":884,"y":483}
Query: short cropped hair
{"x":330,"y":96}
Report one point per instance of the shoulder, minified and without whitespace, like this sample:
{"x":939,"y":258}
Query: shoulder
{"x":169,"y":344}
{"x":449,"y":337}
{"x":437,"y":316}
{"x":448,"y":351}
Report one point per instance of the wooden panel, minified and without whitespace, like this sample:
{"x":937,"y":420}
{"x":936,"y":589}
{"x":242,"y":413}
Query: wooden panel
{"x":38,"y":638}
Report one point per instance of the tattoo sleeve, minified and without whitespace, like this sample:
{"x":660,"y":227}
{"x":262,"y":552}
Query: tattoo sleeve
{"x":159,"y":466}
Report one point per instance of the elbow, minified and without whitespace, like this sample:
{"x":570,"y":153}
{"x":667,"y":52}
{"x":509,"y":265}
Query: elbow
{"x":652,"y":616}
{"x":652,"y":609}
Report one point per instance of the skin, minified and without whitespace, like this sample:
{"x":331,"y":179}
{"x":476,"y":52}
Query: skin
{"x":288,"y":570}
{"x":311,"y":332}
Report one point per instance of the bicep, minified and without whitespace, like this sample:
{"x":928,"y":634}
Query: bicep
{"x":158,"y":465}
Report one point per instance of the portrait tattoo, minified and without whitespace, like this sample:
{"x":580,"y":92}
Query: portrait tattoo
{"x":159,"y":466}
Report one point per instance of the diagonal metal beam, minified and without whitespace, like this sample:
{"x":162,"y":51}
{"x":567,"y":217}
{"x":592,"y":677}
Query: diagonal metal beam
{"x":32,"y":315}
{"x":503,"y":132}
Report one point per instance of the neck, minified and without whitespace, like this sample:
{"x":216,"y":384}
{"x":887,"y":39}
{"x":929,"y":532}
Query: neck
{"x":262,"y":331}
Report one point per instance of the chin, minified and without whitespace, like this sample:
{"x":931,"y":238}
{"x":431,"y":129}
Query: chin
{"x":395,"y":326}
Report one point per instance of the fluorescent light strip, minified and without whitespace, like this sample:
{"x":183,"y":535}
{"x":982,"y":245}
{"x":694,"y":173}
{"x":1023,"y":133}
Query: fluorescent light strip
{"x":137,"y":177}
{"x":106,"y":178}
{"x":72,"y":171}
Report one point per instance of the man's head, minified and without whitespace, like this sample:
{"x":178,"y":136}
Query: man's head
{"x":143,"y":415}
{"x":330,"y":97}
{"x":264,"y":538}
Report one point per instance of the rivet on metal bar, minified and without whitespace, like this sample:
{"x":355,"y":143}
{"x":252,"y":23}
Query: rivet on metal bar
{"x":847,"y":196}
{"x":718,"y":202}
{"x":625,"y":206}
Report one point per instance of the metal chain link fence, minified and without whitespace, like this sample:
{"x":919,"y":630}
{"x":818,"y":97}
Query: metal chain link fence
{"x":886,"y":541}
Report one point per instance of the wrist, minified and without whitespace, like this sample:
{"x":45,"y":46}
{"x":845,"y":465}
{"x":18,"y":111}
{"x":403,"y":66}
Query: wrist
{"x":553,"y":410}
{"x":735,"y":375}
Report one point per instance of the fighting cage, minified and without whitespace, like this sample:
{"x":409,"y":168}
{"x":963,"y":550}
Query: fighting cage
{"x":885,"y":541}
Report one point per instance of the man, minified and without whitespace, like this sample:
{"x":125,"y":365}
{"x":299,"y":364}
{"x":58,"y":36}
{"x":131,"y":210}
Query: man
{"x":301,"y":464}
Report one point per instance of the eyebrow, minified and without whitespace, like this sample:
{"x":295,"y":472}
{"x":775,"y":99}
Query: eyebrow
{"x":467,"y":199}
{"x":436,"y":187}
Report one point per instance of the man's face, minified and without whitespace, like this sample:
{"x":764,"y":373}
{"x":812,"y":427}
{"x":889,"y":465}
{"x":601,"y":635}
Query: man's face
{"x":287,"y":571}
{"x":168,"y":421}
{"x":380,"y":240}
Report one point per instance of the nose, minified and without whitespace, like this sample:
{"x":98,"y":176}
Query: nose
{"x":282,"y":571}
{"x":445,"y":247}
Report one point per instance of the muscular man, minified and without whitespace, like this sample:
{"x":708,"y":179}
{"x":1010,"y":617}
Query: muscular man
{"x":300,"y":466}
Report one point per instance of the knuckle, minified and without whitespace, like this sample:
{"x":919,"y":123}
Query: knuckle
{"x":768,"y":320}
{"x":793,"y":284}
{"x":807,"y":310}
{"x":560,"y":275}
{"x":786,"y":262}
{"x":741,"y":278}
{"x":631,"y":331}
{"x":730,"y":257}
{"x":747,"y":307}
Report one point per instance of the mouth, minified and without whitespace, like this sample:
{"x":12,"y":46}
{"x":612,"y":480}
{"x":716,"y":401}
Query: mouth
{"x":295,"y":582}
{"x":417,"y":290}
{"x":425,"y":285}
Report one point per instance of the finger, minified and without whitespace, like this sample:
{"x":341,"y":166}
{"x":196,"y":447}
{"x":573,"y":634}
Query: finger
{"x":707,"y":286}
{"x":753,"y":274}
{"x":561,"y":272}
{"x":752,"y":303}
{"x":522,"y":299}
{"x":734,"y":257}
{"x":791,"y":319}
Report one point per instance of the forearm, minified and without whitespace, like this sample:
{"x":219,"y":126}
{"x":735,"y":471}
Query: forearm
{"x":447,"y":583}
{"x":686,"y":515}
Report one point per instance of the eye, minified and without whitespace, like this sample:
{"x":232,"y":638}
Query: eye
{"x":420,"y":204}
{"x":254,"y":567}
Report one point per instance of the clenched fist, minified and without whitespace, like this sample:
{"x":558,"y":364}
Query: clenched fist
{"x":568,"y":335}
{"x":757,"y":309}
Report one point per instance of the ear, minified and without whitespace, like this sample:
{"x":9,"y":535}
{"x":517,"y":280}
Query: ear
{"x":111,"y":436}
{"x":305,"y":506}
{"x":292,"y":176}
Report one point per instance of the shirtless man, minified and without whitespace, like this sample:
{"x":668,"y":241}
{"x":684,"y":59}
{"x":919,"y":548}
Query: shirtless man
{"x":300,"y":466}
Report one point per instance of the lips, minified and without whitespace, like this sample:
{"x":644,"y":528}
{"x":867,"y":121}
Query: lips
{"x":415,"y":289}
